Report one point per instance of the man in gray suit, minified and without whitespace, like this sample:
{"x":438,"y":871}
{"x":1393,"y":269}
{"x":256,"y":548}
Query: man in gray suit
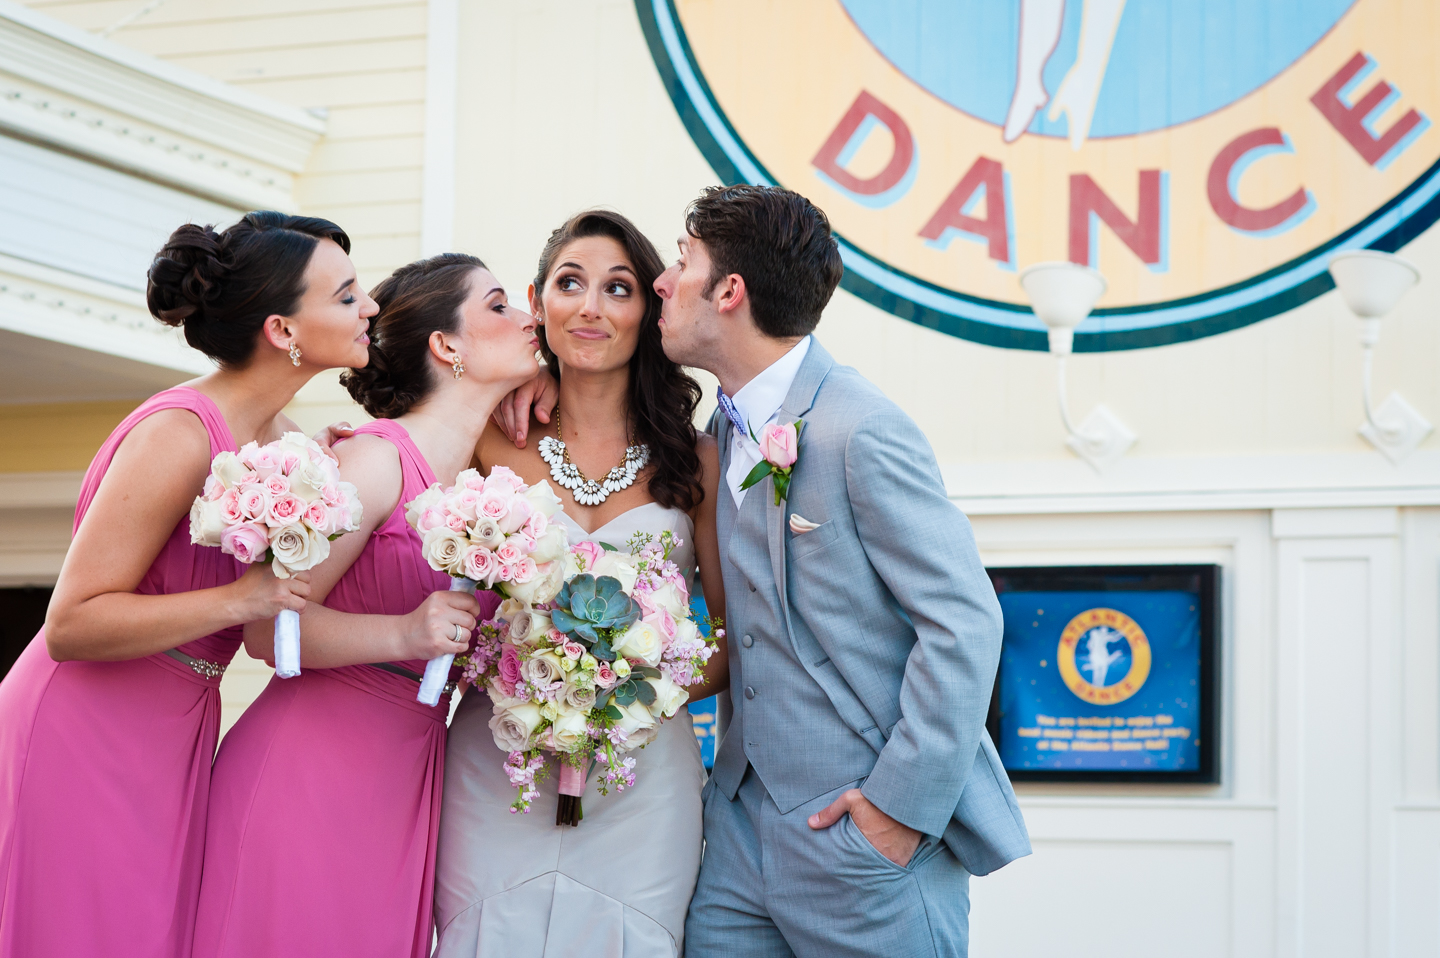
{"x":856,"y":789}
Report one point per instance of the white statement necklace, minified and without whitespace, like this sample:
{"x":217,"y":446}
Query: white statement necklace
{"x":588,"y":492}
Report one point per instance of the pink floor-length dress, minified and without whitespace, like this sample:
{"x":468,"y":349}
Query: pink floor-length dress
{"x":325,"y":807}
{"x":105,"y":766}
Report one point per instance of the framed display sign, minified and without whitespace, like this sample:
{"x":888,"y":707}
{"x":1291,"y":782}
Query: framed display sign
{"x":1108,"y":673}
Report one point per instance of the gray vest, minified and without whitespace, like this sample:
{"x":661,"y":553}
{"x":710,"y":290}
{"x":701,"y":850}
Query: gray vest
{"x":784,"y":725}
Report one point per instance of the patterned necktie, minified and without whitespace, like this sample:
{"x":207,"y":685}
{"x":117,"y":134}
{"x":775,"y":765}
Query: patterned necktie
{"x":727,"y":404}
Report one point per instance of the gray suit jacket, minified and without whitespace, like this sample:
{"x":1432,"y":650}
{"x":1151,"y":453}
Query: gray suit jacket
{"x":888,"y":609}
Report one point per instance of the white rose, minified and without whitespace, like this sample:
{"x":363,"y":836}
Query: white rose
{"x":352,"y":498}
{"x":618,"y":566}
{"x":668,"y":696}
{"x":686,"y":630}
{"x":416,"y":507}
{"x":543,"y":499}
{"x":307,"y":481}
{"x":527,"y":625}
{"x":542,"y":669}
{"x":567,"y":732}
{"x":542,"y":587}
{"x":642,"y":642}
{"x":513,"y":726}
{"x":508,"y":609}
{"x":298,"y":549}
{"x":444,"y":549}
{"x":551,"y":545}
{"x":486,"y":532}
{"x":206,"y":523}
{"x":463,"y":480}
{"x":228,"y":468}
{"x":671,"y":600}
{"x":637,"y":723}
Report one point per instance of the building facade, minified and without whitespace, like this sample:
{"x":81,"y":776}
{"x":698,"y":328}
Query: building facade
{"x":480,"y":126}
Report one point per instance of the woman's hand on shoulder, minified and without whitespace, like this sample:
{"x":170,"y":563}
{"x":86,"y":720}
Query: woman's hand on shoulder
{"x":512,"y":416}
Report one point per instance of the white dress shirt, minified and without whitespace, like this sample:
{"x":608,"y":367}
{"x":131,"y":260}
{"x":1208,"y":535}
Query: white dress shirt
{"x":758,"y":402}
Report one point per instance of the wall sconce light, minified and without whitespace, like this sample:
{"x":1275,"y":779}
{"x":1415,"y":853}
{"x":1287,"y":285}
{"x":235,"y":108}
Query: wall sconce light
{"x":1062,"y":295}
{"x":1371,"y":283}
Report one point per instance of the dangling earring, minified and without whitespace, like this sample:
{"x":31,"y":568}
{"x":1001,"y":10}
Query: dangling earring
{"x":294,"y":354}
{"x":458,"y":366}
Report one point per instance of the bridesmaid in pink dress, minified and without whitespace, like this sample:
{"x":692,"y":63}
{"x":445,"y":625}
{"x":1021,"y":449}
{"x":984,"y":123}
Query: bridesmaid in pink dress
{"x":325,"y":802}
{"x":108,"y":721}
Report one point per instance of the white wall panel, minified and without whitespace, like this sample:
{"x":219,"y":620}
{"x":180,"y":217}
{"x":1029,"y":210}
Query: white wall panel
{"x":83,"y":218}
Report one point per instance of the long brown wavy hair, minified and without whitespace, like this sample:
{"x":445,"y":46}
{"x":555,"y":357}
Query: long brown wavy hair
{"x":662,"y":397}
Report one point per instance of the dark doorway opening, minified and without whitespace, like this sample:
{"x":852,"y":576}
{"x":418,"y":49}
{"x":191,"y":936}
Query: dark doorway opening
{"x":22,"y":613}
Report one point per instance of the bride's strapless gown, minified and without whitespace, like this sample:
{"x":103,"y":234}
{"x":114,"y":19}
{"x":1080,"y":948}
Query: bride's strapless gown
{"x":518,"y":886}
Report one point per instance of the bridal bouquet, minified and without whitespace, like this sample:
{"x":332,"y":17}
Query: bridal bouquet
{"x":489,"y":532}
{"x":591,"y":674}
{"x":280,"y":503}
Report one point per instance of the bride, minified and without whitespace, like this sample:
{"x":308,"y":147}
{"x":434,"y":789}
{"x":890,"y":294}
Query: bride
{"x":519,"y":886}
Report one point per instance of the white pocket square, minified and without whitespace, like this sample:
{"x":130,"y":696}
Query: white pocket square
{"x":800,"y":525}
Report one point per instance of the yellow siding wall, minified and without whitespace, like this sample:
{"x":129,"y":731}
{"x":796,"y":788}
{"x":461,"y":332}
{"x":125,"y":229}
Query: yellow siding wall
{"x":360,"y":63}
{"x":56,"y":437}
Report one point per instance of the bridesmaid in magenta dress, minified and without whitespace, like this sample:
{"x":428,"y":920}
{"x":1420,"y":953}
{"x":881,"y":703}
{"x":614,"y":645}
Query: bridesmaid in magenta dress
{"x":325,"y":802}
{"x":108,"y":721}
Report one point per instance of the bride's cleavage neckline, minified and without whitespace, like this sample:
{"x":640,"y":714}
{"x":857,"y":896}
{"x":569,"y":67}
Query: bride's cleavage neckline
{"x":591,"y":532}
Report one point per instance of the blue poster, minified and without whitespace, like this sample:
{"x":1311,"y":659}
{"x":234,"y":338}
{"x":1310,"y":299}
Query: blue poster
{"x":1101,"y":681}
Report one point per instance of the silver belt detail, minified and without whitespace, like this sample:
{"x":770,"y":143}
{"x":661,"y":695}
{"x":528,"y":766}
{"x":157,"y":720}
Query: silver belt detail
{"x":202,"y":667}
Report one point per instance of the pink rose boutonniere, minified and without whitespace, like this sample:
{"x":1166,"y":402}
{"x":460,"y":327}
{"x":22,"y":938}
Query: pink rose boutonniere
{"x":780,"y":446}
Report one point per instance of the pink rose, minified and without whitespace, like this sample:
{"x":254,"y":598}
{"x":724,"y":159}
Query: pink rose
{"x":535,"y":526}
{"x":254,"y":502}
{"x":474,"y":481}
{"x":246,"y":542}
{"x":523,"y":541}
{"x":214,"y":488}
{"x":455,"y":523}
{"x":464,"y":503}
{"x":604,"y":676}
{"x":573,"y":650}
{"x":556,"y":637}
{"x":510,"y":668}
{"x":588,"y":553}
{"x":479,"y":564}
{"x":779,"y":444}
{"x":663,"y":622}
{"x":503,"y":478}
{"x":519,"y":514}
{"x":264,"y":462}
{"x":285,"y":509}
{"x":522,"y":571}
{"x":276,"y":484}
{"x":430,"y":519}
{"x":332,"y":494}
{"x":509,"y":552}
{"x":317,"y":514}
{"x":230,"y":510}
{"x":289,"y":463}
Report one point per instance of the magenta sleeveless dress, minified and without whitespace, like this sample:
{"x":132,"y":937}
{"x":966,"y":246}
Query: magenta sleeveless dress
{"x":105,"y":766}
{"x":325,"y":804}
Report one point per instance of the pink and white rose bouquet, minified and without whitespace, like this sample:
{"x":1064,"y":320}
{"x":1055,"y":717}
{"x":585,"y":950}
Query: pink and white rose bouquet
{"x":281,"y":503}
{"x":493,"y":533}
{"x":591,"y":673}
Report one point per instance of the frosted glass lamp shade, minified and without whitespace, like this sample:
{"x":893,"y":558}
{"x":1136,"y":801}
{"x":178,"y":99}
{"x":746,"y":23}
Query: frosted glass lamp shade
{"x":1062,"y":295}
{"x":1372,"y":282}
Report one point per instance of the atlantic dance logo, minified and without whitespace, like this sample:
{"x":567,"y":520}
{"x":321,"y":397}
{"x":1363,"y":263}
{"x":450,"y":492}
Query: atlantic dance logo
{"x":1207,"y":158}
{"x":1104,"y":657}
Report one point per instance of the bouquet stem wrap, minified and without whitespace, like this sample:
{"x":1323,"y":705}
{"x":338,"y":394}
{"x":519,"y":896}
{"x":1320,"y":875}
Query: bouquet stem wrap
{"x":572,"y":786}
{"x":437,"y":670}
{"x":287,"y":644}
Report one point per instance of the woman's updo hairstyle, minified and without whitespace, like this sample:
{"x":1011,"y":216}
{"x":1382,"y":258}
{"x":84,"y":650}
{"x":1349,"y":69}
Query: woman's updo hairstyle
{"x":415,"y":301}
{"x":221,"y":286}
{"x":662,"y":398}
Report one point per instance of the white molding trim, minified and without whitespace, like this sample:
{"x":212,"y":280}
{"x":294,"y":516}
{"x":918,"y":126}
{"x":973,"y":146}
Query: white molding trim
{"x":1334,"y":523}
{"x":40,"y":490}
{"x":66,"y":308}
{"x":1326,"y":481}
{"x":442,"y":62}
{"x":62,"y":86}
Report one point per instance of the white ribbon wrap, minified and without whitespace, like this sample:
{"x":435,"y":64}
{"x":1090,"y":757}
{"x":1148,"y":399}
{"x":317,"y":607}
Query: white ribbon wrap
{"x":287,"y":644}
{"x":437,"y":670}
